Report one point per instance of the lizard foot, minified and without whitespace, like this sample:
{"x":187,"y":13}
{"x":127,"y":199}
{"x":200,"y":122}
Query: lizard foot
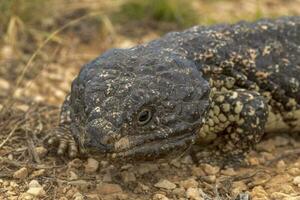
{"x":234,"y":125}
{"x":62,"y":139}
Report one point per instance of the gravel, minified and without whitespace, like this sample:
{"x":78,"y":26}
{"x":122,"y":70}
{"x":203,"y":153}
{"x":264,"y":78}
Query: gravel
{"x":189,"y":183}
{"x":91,"y":166}
{"x":165,"y":184}
{"x":35,"y":189}
{"x":210,"y":170}
{"x":194,"y":193}
{"x":41,"y":151}
{"x":296,"y":181}
{"x":159,"y":197}
{"x":265,"y":177}
{"x":21,"y":173}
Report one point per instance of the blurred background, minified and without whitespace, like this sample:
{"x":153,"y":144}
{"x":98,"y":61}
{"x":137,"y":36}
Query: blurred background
{"x":43,"y":44}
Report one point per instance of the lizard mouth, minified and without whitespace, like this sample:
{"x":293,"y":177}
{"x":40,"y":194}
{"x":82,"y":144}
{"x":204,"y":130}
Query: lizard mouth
{"x":141,"y":148}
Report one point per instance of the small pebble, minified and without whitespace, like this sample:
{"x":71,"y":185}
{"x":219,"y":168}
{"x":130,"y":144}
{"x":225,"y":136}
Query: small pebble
{"x":26,"y":196}
{"x":193,"y":193}
{"x":253,"y":161}
{"x":7,"y":52}
{"x":165,"y":184}
{"x":91,"y":166}
{"x":189,"y":183}
{"x":5,"y":183}
{"x":210,"y":179}
{"x":228,"y":172}
{"x":23,"y":107}
{"x":34,"y":183}
{"x":210,"y":170}
{"x":294,"y":171}
{"x":4,"y":84}
{"x":72,"y":176}
{"x":238,"y":187}
{"x":258,"y":192}
{"x":41,"y":151}
{"x":78,"y":196}
{"x":59,"y":93}
{"x":297,"y":164}
{"x":21,"y":173}
{"x":296,"y":181}
{"x":160,"y":197}
{"x":13,"y":184}
{"x":281,"y":164}
{"x":36,"y":191}
{"x":197,"y":171}
{"x":179,"y":192}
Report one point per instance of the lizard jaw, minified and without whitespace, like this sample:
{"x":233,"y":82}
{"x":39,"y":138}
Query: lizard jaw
{"x":173,"y":146}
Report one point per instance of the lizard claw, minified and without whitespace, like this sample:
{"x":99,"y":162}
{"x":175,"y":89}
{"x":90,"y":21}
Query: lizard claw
{"x":62,"y":139}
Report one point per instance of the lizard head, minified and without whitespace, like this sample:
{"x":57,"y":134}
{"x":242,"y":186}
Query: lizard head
{"x":141,"y":107}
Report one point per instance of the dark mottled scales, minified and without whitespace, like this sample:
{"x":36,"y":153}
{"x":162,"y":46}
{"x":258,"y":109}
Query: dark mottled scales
{"x":224,"y":85}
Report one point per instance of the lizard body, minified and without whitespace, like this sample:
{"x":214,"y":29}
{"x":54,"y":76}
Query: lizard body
{"x":223,"y":84}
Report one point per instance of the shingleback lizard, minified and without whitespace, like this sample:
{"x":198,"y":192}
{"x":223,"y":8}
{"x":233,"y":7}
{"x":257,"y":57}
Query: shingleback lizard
{"x":224,"y":84}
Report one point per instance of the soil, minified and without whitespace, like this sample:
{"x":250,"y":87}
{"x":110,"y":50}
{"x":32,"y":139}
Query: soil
{"x":29,"y":108}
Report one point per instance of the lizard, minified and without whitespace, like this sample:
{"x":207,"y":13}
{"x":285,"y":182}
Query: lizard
{"x":223,"y":86}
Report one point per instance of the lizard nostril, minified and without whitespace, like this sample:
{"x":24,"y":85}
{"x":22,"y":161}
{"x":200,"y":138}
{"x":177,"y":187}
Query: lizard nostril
{"x":101,"y":134}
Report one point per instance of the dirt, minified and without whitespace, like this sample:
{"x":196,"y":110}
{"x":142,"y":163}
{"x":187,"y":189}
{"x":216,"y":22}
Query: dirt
{"x":28,"y":170}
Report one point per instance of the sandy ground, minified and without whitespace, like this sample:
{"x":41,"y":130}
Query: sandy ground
{"x":30,"y":171}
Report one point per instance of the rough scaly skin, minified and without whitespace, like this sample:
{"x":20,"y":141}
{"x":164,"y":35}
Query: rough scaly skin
{"x":216,"y":85}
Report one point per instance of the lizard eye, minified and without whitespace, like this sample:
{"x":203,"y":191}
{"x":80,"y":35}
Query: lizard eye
{"x":144,"y":116}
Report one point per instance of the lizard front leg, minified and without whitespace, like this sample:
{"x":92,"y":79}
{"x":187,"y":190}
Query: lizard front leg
{"x":235,"y":123}
{"x":61,"y":137}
